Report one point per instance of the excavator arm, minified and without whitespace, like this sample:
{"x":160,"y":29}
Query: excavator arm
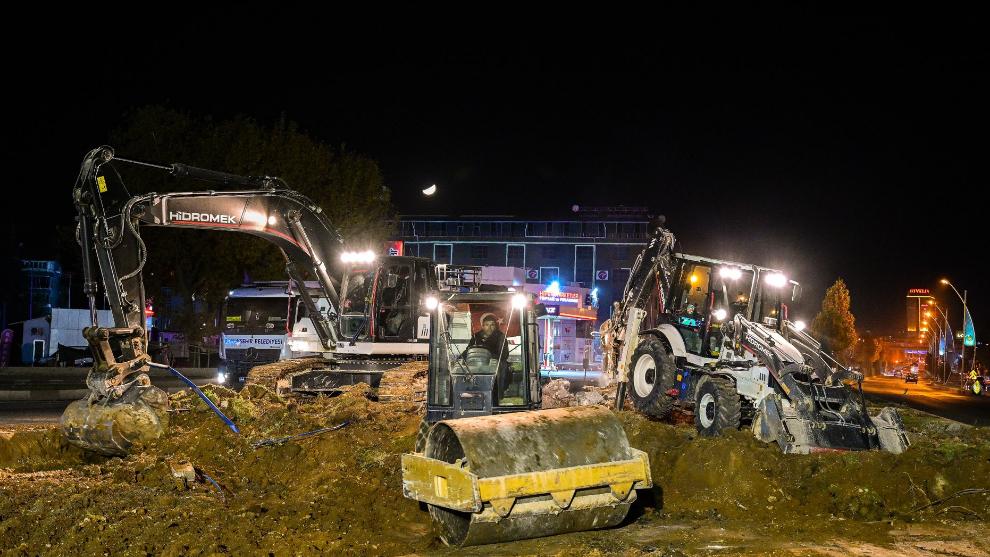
{"x":114,"y":256}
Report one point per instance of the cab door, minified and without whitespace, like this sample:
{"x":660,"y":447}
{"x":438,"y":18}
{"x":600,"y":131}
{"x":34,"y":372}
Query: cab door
{"x":691,"y":307}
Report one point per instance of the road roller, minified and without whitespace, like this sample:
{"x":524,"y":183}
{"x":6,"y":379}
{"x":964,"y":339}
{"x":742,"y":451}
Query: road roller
{"x":490,"y":465}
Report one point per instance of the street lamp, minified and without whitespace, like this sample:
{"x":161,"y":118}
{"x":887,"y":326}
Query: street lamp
{"x":935,"y":343}
{"x":945,"y":357}
{"x":962,"y":298}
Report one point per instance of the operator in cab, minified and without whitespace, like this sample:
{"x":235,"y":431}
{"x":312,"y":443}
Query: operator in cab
{"x":491,"y":338}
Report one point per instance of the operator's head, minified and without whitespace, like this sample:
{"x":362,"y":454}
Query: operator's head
{"x":489,"y":325}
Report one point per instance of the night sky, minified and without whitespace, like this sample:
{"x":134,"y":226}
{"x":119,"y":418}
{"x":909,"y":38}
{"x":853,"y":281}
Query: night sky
{"x":825,"y":147}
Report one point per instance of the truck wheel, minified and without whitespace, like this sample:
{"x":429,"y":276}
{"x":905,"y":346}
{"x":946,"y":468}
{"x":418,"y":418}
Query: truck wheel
{"x":652,"y":374}
{"x":424,"y":430}
{"x":716,"y":406}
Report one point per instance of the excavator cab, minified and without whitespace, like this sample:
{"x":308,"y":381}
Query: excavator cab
{"x":491,"y":466}
{"x":382,"y":302}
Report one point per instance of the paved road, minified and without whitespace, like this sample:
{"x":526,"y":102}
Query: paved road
{"x":947,"y":402}
{"x":39,"y":395}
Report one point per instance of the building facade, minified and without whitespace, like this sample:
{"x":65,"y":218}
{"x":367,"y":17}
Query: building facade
{"x":591,"y":248}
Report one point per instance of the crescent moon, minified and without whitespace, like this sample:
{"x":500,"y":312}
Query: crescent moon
{"x":430,"y":190}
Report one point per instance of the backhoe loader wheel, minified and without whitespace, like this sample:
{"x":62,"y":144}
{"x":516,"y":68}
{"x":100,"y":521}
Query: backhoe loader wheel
{"x":652,"y":375}
{"x":421,"y":435}
{"x":716,"y":406}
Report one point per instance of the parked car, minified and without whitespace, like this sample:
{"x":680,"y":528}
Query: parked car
{"x":911,"y":376}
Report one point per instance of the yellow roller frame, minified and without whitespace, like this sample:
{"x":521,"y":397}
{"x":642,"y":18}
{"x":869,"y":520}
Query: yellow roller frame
{"x":453,"y":486}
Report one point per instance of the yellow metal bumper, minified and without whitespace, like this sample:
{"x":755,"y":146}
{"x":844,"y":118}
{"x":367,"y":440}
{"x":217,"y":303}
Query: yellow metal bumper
{"x":454,"y":487}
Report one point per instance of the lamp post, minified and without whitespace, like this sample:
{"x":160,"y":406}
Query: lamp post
{"x":945,"y":357}
{"x":962,"y":298}
{"x":934,"y":343}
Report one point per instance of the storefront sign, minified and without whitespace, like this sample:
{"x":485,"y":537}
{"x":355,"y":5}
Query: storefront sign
{"x":560,"y":297}
{"x":918,"y":292}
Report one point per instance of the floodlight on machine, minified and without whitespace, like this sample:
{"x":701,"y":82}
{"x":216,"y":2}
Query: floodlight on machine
{"x":366,"y":256}
{"x":776,"y":280}
{"x":731,"y":273}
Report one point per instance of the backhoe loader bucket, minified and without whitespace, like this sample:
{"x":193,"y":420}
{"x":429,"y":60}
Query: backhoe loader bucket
{"x":524,"y":475}
{"x":111,"y":428}
{"x":803,"y":427}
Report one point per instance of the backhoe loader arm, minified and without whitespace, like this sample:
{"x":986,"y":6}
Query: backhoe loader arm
{"x":650,"y":273}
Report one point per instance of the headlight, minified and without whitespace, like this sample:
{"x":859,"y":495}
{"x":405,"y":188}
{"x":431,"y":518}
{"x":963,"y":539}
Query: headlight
{"x":719,"y":314}
{"x":431,"y":302}
{"x":221,"y":377}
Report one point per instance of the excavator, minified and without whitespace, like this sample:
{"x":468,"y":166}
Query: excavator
{"x":715,"y":336}
{"x":491,"y":468}
{"x":123,"y":406}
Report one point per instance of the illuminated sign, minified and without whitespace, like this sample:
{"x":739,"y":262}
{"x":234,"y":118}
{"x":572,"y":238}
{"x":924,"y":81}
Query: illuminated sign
{"x":918,"y":292}
{"x":393,"y":248}
{"x":688,"y":321}
{"x":560,"y":297}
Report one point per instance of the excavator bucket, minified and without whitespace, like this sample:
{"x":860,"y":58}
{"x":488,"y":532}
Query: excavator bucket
{"x":523,"y":475}
{"x":111,"y":429}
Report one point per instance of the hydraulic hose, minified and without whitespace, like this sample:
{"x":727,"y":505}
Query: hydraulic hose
{"x":201,"y":394}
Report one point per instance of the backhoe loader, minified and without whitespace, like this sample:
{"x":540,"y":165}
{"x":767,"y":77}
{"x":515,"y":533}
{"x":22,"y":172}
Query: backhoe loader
{"x":714,"y":335}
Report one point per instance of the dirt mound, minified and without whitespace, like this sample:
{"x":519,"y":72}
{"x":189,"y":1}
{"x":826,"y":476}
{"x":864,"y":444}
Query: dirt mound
{"x":201,"y":489}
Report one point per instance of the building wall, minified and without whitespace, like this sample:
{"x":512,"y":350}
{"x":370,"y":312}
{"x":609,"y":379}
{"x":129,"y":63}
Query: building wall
{"x":570,"y":251}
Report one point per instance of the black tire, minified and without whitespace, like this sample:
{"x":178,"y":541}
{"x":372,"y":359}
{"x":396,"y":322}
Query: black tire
{"x":716,"y":406}
{"x":652,"y":374}
{"x":424,"y":430}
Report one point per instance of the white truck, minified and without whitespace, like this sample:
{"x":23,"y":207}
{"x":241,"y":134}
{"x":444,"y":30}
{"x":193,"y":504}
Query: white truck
{"x":265,"y":322}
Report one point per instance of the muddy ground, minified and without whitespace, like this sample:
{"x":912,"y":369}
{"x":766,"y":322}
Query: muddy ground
{"x":339,"y":493}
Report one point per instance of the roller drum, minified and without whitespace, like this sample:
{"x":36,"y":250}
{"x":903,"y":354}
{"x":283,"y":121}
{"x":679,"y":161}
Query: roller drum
{"x":519,"y":443}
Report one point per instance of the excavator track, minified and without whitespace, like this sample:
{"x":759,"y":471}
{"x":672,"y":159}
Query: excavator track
{"x":391,"y":380}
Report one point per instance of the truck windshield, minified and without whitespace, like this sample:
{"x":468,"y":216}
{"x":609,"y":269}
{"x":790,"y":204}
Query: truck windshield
{"x":256,"y":316}
{"x":481,"y":338}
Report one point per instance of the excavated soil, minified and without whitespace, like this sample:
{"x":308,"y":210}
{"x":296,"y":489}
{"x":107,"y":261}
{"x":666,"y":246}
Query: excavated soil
{"x":339,"y":493}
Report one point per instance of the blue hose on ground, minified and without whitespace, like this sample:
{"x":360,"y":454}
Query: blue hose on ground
{"x":201,"y":394}
{"x":215,"y":484}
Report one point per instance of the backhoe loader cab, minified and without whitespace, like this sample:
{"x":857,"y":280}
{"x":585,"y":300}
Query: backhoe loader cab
{"x":492,"y":467}
{"x":706,"y":293}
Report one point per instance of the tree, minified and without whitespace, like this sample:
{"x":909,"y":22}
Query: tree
{"x":835,"y":323}
{"x":204,"y":265}
{"x":867,"y":352}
